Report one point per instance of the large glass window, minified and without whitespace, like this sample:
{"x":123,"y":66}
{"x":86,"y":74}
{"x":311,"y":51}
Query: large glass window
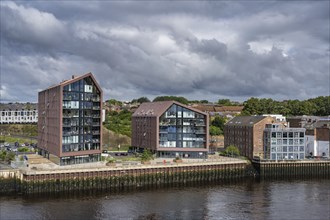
{"x":181,"y":127}
{"x":81,"y":121}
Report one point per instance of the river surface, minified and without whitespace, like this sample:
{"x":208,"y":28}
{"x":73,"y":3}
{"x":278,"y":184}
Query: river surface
{"x":246,"y":199}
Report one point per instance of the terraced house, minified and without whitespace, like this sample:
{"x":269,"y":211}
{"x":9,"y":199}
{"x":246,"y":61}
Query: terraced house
{"x":18,"y":113}
{"x":69,"y":124}
{"x":170,"y":129}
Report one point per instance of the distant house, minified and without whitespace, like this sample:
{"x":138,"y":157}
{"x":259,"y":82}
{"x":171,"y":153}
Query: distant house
{"x":170,"y":129}
{"x":18,"y":113}
{"x":317,"y":134}
{"x":225,"y":111}
{"x":246,"y":133}
{"x":318,"y":138}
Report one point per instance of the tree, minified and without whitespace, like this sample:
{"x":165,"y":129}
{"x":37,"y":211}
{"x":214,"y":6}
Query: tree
{"x":115,"y":102}
{"x":232,"y":150}
{"x":140,"y":100}
{"x":225,"y":102}
{"x":214,"y":131}
{"x":204,"y":101}
{"x":23,"y":149}
{"x":146,"y":155}
{"x":319,"y":106}
{"x":172,"y":98}
{"x":119,"y":123}
{"x":219,"y":122}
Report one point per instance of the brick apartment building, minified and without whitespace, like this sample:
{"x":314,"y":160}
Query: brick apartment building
{"x":69,"y":123}
{"x":246,"y":133}
{"x":170,"y":129}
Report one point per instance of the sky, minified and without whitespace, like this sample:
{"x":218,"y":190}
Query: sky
{"x":197,"y":49}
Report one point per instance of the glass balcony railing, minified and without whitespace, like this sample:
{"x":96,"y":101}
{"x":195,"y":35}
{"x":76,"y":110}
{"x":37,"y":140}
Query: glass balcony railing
{"x":95,"y":132}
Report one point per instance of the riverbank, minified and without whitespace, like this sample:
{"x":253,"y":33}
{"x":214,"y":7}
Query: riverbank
{"x":99,"y":176}
{"x":114,"y":177}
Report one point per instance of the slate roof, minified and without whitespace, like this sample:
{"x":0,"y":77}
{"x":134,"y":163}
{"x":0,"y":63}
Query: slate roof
{"x":17,"y":106}
{"x":77,"y":78}
{"x":245,"y":120}
{"x":218,"y":108}
{"x":156,"y":109}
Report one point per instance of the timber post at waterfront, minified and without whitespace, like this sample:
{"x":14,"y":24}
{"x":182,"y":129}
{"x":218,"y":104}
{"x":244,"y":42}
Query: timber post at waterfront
{"x":268,"y":169}
{"x":44,"y":181}
{"x":29,"y":181}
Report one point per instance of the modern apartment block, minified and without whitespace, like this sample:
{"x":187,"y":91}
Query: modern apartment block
{"x":246,"y":133}
{"x":70,"y":124}
{"x":284,"y":143}
{"x":18,"y":113}
{"x":170,"y":129}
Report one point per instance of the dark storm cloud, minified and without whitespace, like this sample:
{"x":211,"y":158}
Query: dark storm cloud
{"x":201,"y":50}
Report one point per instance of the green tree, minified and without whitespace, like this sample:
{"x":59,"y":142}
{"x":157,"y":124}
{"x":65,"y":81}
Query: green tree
{"x":251,"y":107}
{"x":119,"y":123}
{"x":219,"y":122}
{"x":232,"y":150}
{"x":214,"y":131}
{"x":172,"y":98}
{"x":225,"y":102}
{"x":146,"y":155}
{"x":115,"y":102}
{"x":140,"y":100}
{"x":23,"y":149}
{"x":319,"y":106}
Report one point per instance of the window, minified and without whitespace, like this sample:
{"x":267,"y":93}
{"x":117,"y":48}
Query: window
{"x":285,"y":141}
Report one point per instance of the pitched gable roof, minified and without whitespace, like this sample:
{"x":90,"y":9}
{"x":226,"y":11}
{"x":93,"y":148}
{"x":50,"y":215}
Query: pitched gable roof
{"x":156,"y":109}
{"x":245,"y":120}
{"x":77,"y":78}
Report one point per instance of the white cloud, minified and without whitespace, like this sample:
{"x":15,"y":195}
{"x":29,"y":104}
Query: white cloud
{"x":193,"y":49}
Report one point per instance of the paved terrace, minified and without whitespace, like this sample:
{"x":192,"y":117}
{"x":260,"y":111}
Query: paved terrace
{"x":49,"y":167}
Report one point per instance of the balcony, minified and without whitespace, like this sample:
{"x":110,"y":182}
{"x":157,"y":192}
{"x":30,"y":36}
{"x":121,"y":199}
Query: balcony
{"x":96,"y":124}
{"x":69,"y":115}
{"x":96,"y":132}
{"x":96,"y":107}
{"x":95,"y":99}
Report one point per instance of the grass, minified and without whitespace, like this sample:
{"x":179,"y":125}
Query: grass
{"x":11,"y":139}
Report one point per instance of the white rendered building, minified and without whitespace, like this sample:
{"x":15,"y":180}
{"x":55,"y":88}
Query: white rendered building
{"x":18,"y":113}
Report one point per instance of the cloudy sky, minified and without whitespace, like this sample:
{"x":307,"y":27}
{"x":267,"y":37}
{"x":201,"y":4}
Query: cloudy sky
{"x":199,"y":50}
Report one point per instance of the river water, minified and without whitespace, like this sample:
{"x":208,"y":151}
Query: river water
{"x":246,"y":199}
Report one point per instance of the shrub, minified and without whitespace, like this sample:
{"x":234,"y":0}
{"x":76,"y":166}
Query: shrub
{"x":231,"y":151}
{"x":146,"y":155}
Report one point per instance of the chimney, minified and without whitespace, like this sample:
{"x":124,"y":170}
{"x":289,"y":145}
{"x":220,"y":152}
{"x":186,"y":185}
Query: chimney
{"x":73,"y":76}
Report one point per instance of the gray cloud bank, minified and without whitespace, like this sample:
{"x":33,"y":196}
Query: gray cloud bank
{"x":200,"y":50}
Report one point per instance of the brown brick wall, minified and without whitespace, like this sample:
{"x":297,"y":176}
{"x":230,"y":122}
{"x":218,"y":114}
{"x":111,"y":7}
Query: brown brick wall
{"x":322,"y":134}
{"x":49,"y":120}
